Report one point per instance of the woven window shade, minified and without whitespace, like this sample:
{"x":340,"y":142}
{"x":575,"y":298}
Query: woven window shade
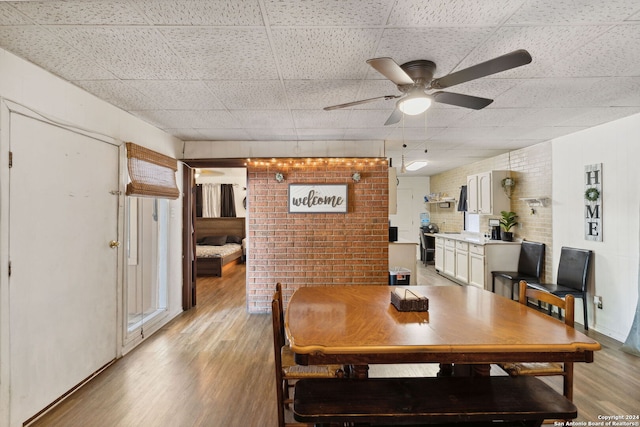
{"x":152,"y":174}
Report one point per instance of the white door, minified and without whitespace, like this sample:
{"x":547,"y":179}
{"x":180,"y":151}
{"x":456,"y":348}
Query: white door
{"x":64,"y":273}
{"x":403,"y":219}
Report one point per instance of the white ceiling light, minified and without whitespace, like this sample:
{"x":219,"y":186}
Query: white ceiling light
{"x":415,"y":102}
{"x":414,"y":166}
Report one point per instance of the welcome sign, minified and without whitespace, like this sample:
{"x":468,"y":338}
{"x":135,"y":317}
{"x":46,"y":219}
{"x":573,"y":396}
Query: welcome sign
{"x":318,"y":198}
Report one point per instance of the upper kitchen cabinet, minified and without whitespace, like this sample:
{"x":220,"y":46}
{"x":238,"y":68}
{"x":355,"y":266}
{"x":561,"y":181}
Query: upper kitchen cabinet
{"x":485,"y":195}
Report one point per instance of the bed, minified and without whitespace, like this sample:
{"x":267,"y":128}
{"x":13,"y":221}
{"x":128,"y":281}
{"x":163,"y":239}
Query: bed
{"x":219,"y":241}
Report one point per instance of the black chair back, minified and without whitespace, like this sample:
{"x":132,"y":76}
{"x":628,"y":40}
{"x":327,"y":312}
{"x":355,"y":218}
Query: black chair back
{"x":531,"y":259}
{"x":573,"y":269}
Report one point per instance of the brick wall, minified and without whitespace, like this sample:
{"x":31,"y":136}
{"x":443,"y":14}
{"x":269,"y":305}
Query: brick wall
{"x":300,"y":249}
{"x":532,"y":171}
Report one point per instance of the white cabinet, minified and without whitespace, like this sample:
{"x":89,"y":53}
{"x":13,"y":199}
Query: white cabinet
{"x":439,"y":254}
{"x":462,"y":261}
{"x":485,"y":195}
{"x":471,"y":263}
{"x":476,"y":266}
{"x":472,"y":194}
{"x":449,"y":267}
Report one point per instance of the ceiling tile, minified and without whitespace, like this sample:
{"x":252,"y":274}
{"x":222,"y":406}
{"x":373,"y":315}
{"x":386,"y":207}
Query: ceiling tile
{"x":310,"y":119}
{"x":599,"y":115}
{"x":178,"y":94}
{"x":10,"y":16}
{"x":224,"y":53}
{"x":39,"y":46}
{"x":490,"y":117}
{"x":202,"y":12}
{"x":317,"y":94}
{"x":451,"y":12}
{"x":561,"y":92}
{"x":198,"y":119}
{"x":217,"y":134}
{"x":82,"y":12}
{"x":613,"y":53}
{"x":338,"y":53}
{"x":546,"y":44}
{"x":118,"y":93}
{"x":327,"y":12}
{"x":252,"y":119}
{"x":572,"y":12}
{"x":547,"y":133}
{"x":128,"y":52}
{"x":320,"y":134}
{"x":250,"y":94}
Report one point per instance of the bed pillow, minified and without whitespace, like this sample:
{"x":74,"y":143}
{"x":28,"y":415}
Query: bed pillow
{"x":234,"y":239}
{"x":214,"y":241}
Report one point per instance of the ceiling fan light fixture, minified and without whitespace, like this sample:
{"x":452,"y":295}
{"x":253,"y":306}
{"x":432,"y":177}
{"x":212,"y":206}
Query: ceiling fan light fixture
{"x":414,"y":166}
{"x":415,"y":103}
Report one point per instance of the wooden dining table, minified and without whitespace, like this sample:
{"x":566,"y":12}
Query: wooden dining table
{"x":357,"y":325}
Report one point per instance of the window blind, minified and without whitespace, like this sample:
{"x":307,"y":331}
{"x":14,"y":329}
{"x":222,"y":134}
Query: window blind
{"x":152,"y":174}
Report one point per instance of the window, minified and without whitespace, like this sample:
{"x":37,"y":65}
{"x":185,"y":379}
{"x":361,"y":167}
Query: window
{"x":147,"y":249}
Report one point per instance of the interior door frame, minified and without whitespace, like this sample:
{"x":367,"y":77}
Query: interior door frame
{"x":189,"y":267}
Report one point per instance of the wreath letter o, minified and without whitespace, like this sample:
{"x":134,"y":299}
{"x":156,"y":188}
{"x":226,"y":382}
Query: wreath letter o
{"x":592,"y":194}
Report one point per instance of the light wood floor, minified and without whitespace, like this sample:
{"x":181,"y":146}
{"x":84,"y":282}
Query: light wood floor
{"x":213,"y":366}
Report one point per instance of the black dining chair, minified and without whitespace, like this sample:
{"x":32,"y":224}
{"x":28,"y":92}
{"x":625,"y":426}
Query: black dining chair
{"x":529,"y":266}
{"x":573,"y":275}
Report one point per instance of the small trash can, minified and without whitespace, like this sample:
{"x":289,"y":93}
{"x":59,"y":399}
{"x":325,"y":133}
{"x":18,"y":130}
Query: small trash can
{"x":399,"y":276}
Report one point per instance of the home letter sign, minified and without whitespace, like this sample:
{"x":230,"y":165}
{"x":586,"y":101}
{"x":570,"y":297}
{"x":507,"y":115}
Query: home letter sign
{"x":593,"y":202}
{"x":318,"y":198}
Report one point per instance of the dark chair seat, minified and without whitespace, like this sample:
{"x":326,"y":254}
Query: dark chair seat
{"x":553,"y":288}
{"x":529,"y":266}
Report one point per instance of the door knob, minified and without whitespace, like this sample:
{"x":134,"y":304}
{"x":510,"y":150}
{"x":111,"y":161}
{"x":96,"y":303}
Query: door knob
{"x":114,"y":244}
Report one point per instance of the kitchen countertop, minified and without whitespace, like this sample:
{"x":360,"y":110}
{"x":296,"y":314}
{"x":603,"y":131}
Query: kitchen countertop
{"x":404,"y":242}
{"x":474,"y":238}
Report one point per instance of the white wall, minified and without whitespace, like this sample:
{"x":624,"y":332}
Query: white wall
{"x":30,"y":86}
{"x":615,"y":270}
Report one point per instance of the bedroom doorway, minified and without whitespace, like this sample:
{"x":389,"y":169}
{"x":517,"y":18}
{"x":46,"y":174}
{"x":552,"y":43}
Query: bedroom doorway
{"x":213,"y":173}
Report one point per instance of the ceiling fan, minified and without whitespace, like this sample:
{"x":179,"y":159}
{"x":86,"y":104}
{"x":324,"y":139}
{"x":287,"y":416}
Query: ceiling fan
{"x":414,"y":78}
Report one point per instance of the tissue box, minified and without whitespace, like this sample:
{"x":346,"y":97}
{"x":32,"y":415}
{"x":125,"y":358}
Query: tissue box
{"x":407,"y":300}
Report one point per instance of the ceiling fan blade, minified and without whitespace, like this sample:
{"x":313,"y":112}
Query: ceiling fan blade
{"x":391,"y":70}
{"x":461,"y":100}
{"x":394,"y":117}
{"x":362,"y":101}
{"x":492,"y":66}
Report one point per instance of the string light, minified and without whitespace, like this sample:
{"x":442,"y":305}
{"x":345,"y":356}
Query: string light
{"x":317,"y":162}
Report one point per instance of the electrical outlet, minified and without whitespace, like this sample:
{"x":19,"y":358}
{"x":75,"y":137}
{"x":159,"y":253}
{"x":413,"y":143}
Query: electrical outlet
{"x":597,"y":300}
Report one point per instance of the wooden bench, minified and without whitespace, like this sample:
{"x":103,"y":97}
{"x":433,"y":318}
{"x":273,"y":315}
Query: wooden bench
{"x":441,"y":400}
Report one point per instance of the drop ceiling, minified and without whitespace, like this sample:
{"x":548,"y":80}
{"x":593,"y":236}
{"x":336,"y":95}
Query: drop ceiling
{"x":262,"y":70}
